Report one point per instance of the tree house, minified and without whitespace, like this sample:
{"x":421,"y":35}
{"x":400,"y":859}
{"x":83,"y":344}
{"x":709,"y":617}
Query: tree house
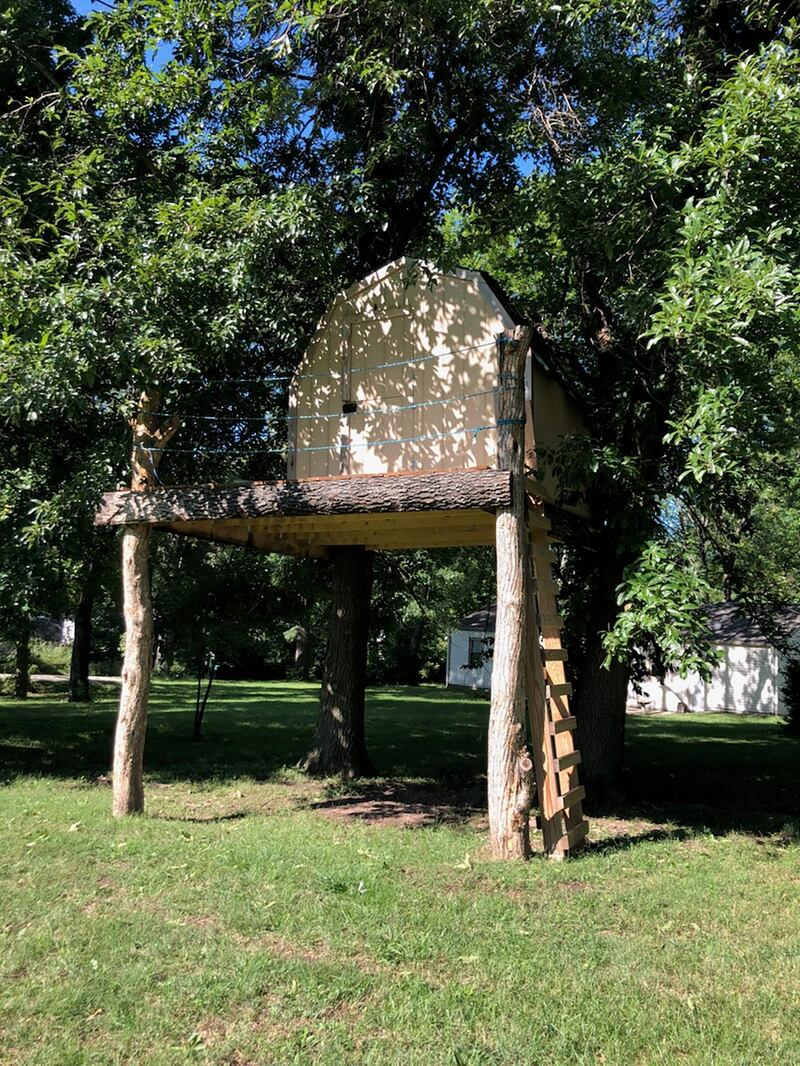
{"x":418,"y":417}
{"x":401,"y":376}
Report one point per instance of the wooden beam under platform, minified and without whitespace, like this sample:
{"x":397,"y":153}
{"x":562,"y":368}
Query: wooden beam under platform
{"x":447,"y":508}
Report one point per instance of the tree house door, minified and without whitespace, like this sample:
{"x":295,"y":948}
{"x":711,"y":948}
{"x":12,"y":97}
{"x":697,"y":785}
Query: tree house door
{"x":379,"y":418}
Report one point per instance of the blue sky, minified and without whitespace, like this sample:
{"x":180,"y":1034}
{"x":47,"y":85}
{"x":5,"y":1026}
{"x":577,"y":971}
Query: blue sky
{"x":84,"y":7}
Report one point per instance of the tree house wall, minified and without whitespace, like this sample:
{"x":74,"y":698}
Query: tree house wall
{"x":421,"y":415}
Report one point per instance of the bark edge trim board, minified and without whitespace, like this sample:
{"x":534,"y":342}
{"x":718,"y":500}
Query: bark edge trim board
{"x":439,"y":491}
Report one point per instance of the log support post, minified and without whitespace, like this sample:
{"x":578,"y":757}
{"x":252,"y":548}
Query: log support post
{"x":148,"y":438}
{"x":510,"y":767}
{"x":136,"y":669}
{"x":339,"y":745}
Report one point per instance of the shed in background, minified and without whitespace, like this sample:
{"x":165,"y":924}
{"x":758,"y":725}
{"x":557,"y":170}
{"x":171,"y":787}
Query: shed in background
{"x":747,"y":681}
{"x":469,"y":651}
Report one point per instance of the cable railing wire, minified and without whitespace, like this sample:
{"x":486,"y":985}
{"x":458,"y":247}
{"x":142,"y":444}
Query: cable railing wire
{"x":289,"y":417}
{"x":424,"y":437}
{"x":428,"y":357}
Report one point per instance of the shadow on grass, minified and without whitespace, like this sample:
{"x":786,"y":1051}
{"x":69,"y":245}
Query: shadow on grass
{"x":406,"y":804}
{"x":211,"y":819}
{"x":717,"y":773}
{"x":622,"y":841}
{"x":699,"y":773}
{"x":252,"y":729}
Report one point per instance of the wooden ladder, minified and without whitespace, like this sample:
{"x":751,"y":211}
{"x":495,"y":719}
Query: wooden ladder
{"x":555,"y":756}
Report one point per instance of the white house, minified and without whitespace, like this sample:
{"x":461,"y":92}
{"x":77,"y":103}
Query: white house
{"x":747,"y":681}
{"x":469,"y":651}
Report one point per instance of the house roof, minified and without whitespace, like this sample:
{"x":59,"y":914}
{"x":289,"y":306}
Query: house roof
{"x":728,"y":623}
{"x":480,"y":621}
{"x":502,"y":297}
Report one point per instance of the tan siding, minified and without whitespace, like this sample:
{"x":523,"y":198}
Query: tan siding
{"x":384,"y":319}
{"x":555,"y":415}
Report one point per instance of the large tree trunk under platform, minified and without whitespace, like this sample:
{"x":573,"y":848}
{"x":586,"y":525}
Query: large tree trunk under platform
{"x":601,"y":698}
{"x":339,"y":745}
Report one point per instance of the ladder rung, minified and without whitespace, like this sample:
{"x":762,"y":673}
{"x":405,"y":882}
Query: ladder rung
{"x":574,"y":837}
{"x":563,"y":725}
{"x":564,"y":762}
{"x":542,"y":567}
{"x":540,"y":546}
{"x":542,"y":560}
{"x":571,"y":798}
{"x":564,"y":689}
{"x":555,"y":655}
{"x":551,"y":621}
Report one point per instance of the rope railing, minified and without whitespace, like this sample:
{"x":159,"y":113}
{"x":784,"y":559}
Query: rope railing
{"x":289,"y":417}
{"x":460,"y":431}
{"x":336,"y":375}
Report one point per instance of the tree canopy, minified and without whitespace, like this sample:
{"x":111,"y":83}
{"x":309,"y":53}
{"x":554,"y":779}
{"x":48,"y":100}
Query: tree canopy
{"x":185,"y":185}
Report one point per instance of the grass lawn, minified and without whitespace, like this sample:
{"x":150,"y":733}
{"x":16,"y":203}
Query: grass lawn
{"x":256,"y":917}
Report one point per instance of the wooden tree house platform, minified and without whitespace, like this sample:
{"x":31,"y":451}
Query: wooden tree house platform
{"x":309,"y":517}
{"x":415,"y":419}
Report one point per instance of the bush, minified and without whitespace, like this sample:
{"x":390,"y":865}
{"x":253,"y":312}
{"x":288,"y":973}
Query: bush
{"x":48,"y":658}
{"x":790,"y":690}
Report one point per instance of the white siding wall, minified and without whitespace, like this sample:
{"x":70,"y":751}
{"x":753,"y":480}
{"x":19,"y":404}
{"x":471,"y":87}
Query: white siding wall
{"x":747,"y":681}
{"x":458,"y":673}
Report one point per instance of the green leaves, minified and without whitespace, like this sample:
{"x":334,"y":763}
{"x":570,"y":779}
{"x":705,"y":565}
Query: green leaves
{"x":661,"y":599}
{"x":707,"y":431}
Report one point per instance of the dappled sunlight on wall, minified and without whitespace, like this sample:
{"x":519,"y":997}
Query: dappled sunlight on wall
{"x":401,"y":374}
{"x":747,"y":681}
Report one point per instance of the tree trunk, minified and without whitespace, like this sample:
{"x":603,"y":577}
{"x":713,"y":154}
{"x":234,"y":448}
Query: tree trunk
{"x":22,"y":675}
{"x":149,"y":441}
{"x":600,"y":698}
{"x":509,"y":764}
{"x":136,"y":668}
{"x":82,"y":646}
{"x":339,"y":746}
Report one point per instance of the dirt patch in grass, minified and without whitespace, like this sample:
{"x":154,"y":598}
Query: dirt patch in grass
{"x":200,"y":806}
{"x":212,"y":1030}
{"x":268,"y":1024}
{"x":273,"y":1025}
{"x":202,"y":921}
{"x":281,"y":948}
{"x":404,"y":806}
{"x":286,"y":949}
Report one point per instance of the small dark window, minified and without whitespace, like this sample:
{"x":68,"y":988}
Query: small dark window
{"x":349,"y":407}
{"x":477,"y":653}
